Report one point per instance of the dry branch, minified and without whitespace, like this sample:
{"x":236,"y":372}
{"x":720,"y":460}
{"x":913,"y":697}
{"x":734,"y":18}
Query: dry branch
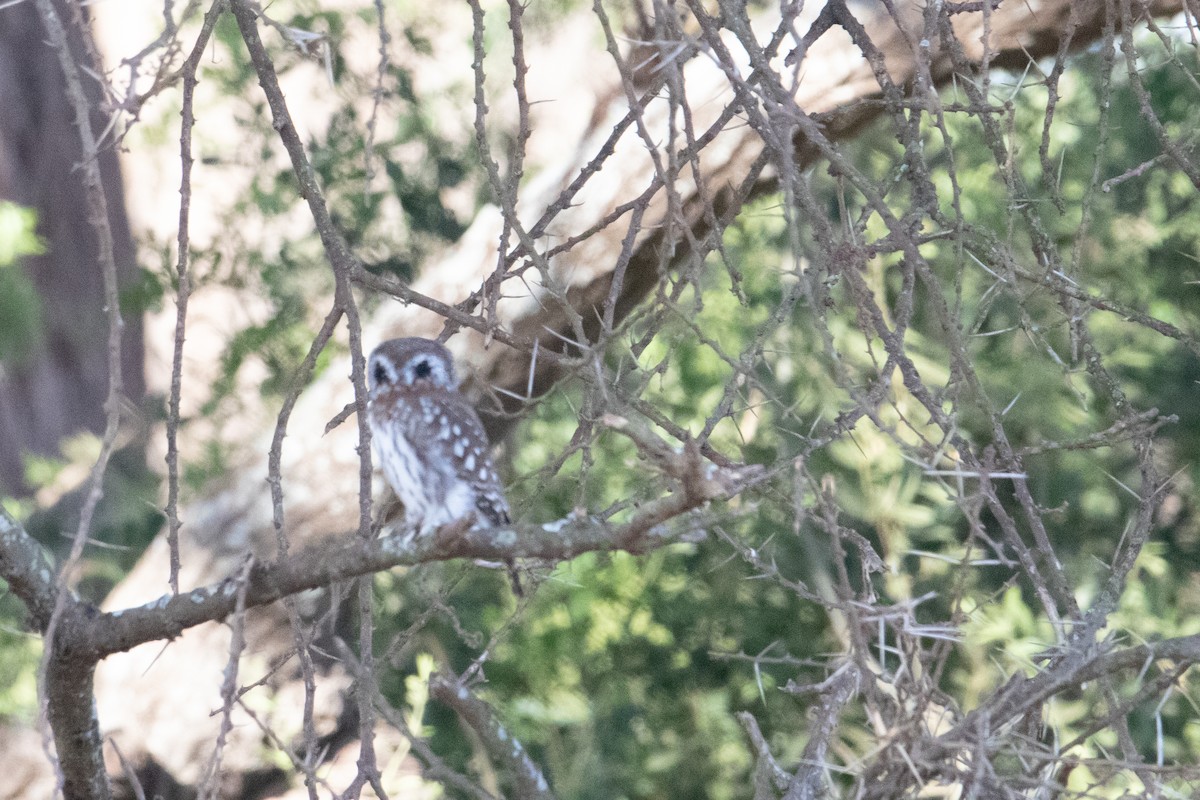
{"x":528,"y":779}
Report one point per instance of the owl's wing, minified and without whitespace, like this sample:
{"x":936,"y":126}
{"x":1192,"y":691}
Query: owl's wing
{"x":473,"y":462}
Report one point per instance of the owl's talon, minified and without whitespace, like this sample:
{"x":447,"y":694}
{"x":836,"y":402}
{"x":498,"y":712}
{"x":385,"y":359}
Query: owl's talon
{"x":453,"y":531}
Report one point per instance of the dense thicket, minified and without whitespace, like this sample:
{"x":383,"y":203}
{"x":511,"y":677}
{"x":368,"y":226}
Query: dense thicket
{"x":871,"y":413}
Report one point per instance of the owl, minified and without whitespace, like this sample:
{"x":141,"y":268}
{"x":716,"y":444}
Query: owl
{"x":429,"y":439}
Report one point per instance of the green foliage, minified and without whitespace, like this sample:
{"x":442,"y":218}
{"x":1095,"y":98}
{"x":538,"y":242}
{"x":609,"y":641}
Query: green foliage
{"x":17,"y":233}
{"x":624,"y":673}
{"x":20,"y":306}
{"x":20,"y":650}
{"x":19,"y":655}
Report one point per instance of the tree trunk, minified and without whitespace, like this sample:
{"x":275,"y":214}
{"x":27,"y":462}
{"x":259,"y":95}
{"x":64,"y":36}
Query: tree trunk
{"x":58,"y":386}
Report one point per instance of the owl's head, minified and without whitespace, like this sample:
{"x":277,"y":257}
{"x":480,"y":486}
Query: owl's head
{"x":412,"y":362}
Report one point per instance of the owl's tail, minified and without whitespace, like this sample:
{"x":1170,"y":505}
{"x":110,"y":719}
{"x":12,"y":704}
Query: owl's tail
{"x":515,"y":577}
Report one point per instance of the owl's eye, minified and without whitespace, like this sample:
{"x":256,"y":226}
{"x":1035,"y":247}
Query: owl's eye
{"x":422,"y":370}
{"x":381,"y":374}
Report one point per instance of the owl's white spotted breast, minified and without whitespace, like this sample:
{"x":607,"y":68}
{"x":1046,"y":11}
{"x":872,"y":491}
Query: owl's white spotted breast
{"x":434,"y":453}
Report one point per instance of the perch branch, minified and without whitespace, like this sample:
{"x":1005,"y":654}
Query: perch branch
{"x":321,"y":565}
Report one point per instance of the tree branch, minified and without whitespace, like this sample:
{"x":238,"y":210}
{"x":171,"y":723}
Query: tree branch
{"x":330,"y":562}
{"x":530,"y":783}
{"x":23,"y":565}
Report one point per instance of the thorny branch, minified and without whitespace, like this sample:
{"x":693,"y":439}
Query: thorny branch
{"x":527,"y":776}
{"x":65,"y":693}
